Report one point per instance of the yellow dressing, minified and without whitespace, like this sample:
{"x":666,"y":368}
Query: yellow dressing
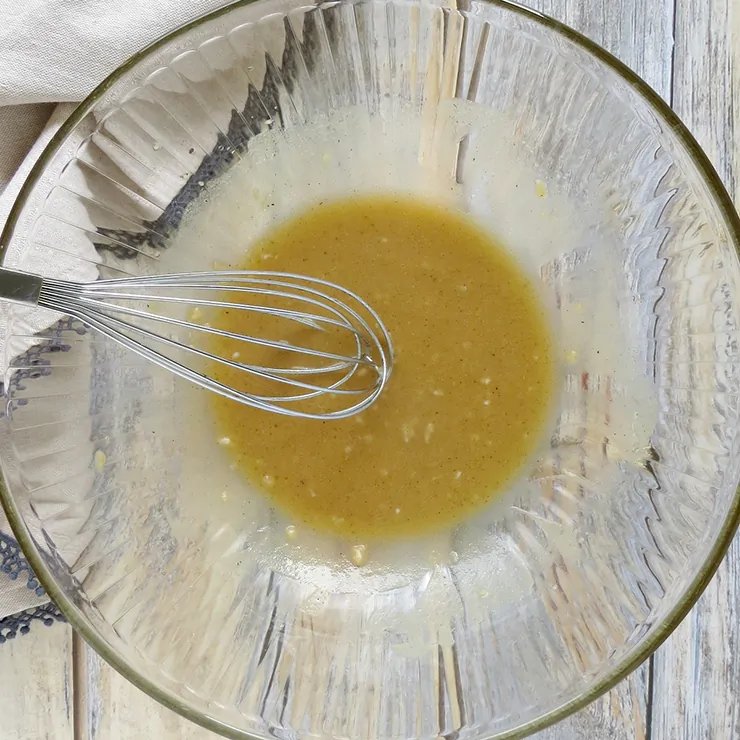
{"x":472,"y":382}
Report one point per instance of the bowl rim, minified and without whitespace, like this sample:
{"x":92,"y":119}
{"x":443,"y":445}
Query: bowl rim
{"x":632,"y":660}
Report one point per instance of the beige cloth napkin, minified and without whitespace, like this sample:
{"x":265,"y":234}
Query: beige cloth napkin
{"x":52,"y":54}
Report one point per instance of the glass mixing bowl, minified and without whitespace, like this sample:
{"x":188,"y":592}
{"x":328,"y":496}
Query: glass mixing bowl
{"x":183,"y":578}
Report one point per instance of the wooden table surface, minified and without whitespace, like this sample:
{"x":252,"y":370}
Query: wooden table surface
{"x":53,"y":686}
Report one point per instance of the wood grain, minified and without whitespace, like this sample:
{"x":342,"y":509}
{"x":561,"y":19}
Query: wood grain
{"x":706,"y":79}
{"x":112,"y":708}
{"x":620,"y":714}
{"x":36,"y":685}
{"x":639,"y":33}
{"x":697,"y":671}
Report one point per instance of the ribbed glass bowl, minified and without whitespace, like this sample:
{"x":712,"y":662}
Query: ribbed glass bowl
{"x":113,"y":478}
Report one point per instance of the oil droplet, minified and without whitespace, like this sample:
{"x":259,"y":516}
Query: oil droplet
{"x":291,"y":533}
{"x":99,"y":460}
{"x":224,"y":441}
{"x":428,"y":431}
{"x":358,"y":555}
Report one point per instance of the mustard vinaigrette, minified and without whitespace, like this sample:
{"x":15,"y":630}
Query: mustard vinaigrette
{"x":472,"y":383}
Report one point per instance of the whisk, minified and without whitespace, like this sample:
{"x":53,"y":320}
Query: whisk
{"x":121,"y":309}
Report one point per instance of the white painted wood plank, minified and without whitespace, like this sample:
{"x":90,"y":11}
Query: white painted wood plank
{"x":114,"y":709}
{"x":619,"y":715}
{"x":36,"y":685}
{"x":638,"y":32}
{"x":707,"y":79}
{"x":697,"y":671}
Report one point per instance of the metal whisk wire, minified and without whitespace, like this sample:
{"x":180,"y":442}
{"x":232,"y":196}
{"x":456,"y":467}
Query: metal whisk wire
{"x":102,"y":305}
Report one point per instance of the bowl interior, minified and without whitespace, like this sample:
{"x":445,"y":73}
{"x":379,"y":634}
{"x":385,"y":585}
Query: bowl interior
{"x":113,"y":473}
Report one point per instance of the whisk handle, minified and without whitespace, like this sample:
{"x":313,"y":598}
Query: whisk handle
{"x":20,"y":287}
